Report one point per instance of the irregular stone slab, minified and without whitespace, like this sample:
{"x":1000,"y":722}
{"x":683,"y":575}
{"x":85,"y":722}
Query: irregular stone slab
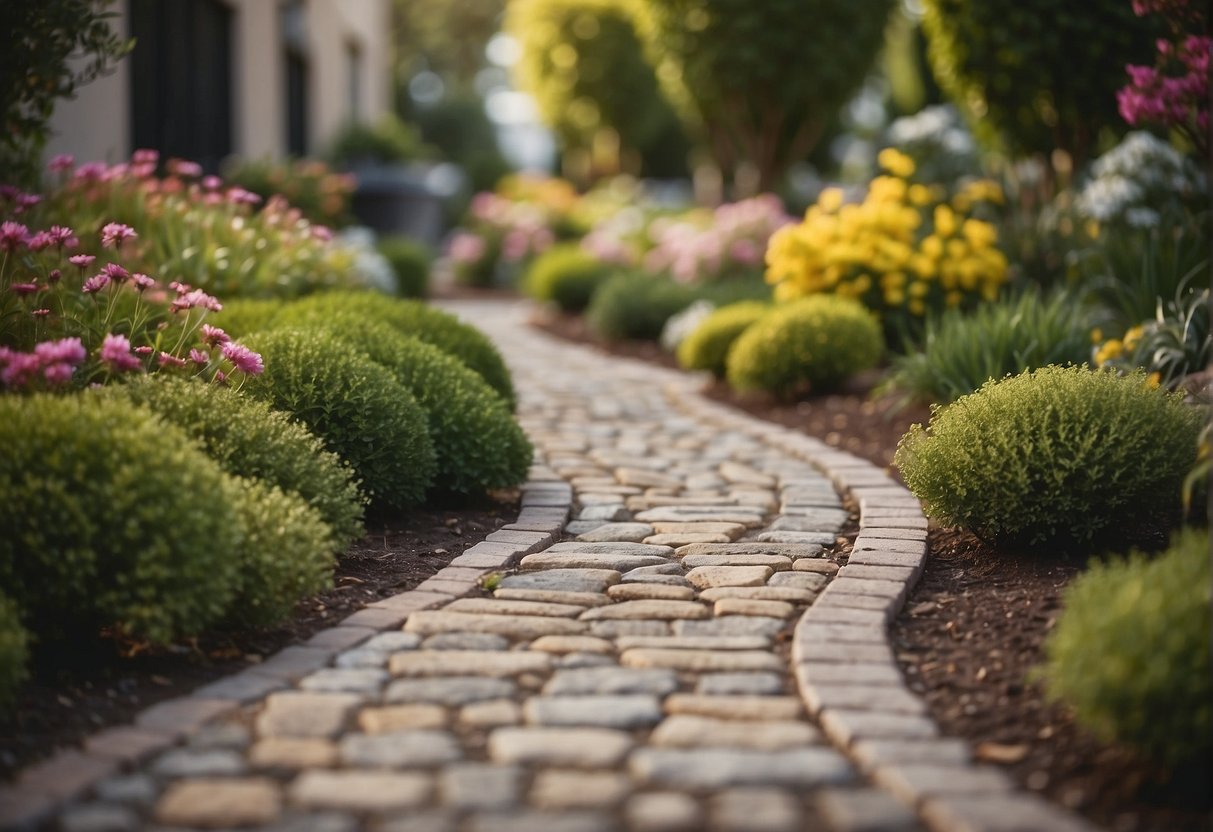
{"x":793,"y":551}
{"x":695,"y":643}
{"x":736,"y":706}
{"x":293,"y":753}
{"x":343,"y":679}
{"x":532,"y":820}
{"x":575,"y":547}
{"x":610,"y":512}
{"x":469,"y":662}
{"x":778,"y":563}
{"x":891,"y":699}
{"x":620,"y":562}
{"x":480,"y":786}
{"x":569,"y":660}
{"x":296,"y":714}
{"x":823,"y":567}
{"x":913,"y":782}
{"x":811,"y":581}
{"x":617,"y":532}
{"x":818,"y":539}
{"x":572,"y":644}
{"x":583,"y":747}
{"x":561,"y":789}
{"x":188,"y":762}
{"x":700,"y":660}
{"x":220,"y":803}
{"x":706,"y":577}
{"x":652,"y":609}
{"x":499,"y":606}
{"x":748,"y":684}
{"x":866,"y":809}
{"x":564,"y":580}
{"x":638,"y":591}
{"x":466,"y":641}
{"x":362,"y":657}
{"x":663,"y":812}
{"x":491,"y":714}
{"x":428,"y":622}
{"x":579,"y":527}
{"x":745,"y":475}
{"x":663,"y":580}
{"x":611,"y":680}
{"x":747,"y":606}
{"x":693,"y":731}
{"x":392,"y":642}
{"x":646,"y":478}
{"x":547,"y":596}
{"x":625,"y":711}
{"x":389,"y":718}
{"x":700,"y":768}
{"x":670,"y":567}
{"x":790,"y":594}
{"x":456,"y":690}
{"x":361,"y":791}
{"x":874,"y":752}
{"x":686,"y":538}
{"x":813,"y":518}
{"x":722,"y":514}
{"x":846,"y":726}
{"x":615,"y":629}
{"x":1001,"y":813}
{"x":734,"y":625}
{"x":98,"y":817}
{"x":400,"y":749}
{"x":730,"y":530}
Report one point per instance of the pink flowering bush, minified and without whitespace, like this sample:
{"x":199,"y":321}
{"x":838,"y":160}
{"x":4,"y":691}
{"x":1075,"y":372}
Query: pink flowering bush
{"x":728,"y":242}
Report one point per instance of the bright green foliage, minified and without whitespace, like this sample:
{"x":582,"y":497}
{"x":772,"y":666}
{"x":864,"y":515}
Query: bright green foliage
{"x":762,"y":79}
{"x":287,"y":553}
{"x":249,"y":439}
{"x":636,"y":305}
{"x":14,"y":650}
{"x":1037,"y":75}
{"x":444,"y":331}
{"x":244,"y":315}
{"x":322,"y":194}
{"x":411,"y":262}
{"x":962,"y":351}
{"x":1130,"y":654}
{"x":477,"y":444}
{"x":354,"y":405}
{"x":584,"y":64}
{"x":111,"y":517}
{"x":814,"y":343}
{"x":708,"y":346}
{"x":1056,"y":457}
{"x":567,"y":276}
{"x":388,"y":141}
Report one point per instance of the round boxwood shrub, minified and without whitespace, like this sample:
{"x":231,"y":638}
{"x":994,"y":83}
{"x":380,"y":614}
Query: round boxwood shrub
{"x":636,"y":305}
{"x":286,"y":555}
{"x":410,"y":262}
{"x":14,"y":650}
{"x":566,"y":276}
{"x":244,"y":315}
{"x":1130,"y":654}
{"x":248,"y":438}
{"x":1055,"y":457}
{"x":477,"y":444}
{"x":411,"y":317}
{"x":111,"y":516}
{"x":813,"y":343}
{"x":354,"y":405}
{"x":707,"y":347}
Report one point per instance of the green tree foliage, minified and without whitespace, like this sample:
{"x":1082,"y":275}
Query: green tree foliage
{"x":444,"y":37}
{"x":1037,"y":75}
{"x":761,"y":79}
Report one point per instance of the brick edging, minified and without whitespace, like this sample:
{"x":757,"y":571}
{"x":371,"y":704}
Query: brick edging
{"x":39,"y":789}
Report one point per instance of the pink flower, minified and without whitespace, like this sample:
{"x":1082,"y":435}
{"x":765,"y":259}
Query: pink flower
{"x":199,"y":357}
{"x":212,"y":183}
{"x":95,"y":283}
{"x":20,"y":369}
{"x":144,"y":350}
{"x":194,"y":298}
{"x":116,"y":352}
{"x":66,"y":350}
{"x":61,"y":235}
{"x":24,"y":288}
{"x":61,"y":162}
{"x":39,"y":240}
{"x":220,"y":377}
{"x":166,"y":360}
{"x":53,"y":276}
{"x":115,"y":273}
{"x":322,"y":233}
{"x":12,"y":235}
{"x":81,"y":260}
{"x":142,"y":281}
{"x":145,"y":156}
{"x":90,"y":172}
{"x":181,"y":167}
{"x":179,"y":288}
{"x":40,"y":313}
{"x":214,"y":336}
{"x":467,"y":248}
{"x":57,"y":375}
{"x":114,"y":234}
{"x":243,"y":358}
{"x":27,"y":201}
{"x":239,"y":196}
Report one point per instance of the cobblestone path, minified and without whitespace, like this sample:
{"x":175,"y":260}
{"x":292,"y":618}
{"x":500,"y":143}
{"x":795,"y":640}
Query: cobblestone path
{"x":690,"y":657}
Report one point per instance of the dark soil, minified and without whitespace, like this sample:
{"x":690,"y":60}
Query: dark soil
{"x":972,"y":633}
{"x":79,"y":689}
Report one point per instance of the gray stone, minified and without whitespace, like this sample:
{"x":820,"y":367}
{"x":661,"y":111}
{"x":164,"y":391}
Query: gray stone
{"x":425,"y":820}
{"x":790,"y":594}
{"x":779,"y":563}
{"x":580,"y":527}
{"x":870,"y":753}
{"x":297,"y":714}
{"x":753,"y":684}
{"x":469,"y":662}
{"x":572,"y":644}
{"x":652,"y":609}
{"x":564,"y":580}
{"x":619,"y":561}
{"x":695,"y":731}
{"x":571,"y":660}
{"x":453,"y":690}
{"x":720,"y":514}
{"x":465,"y":641}
{"x":800,"y":580}
{"x":345,"y":679}
{"x":1017,"y":812}
{"x":98,"y":817}
{"x":609,"y":512}
{"x":913,"y":782}
{"x":705,"y":577}
{"x":361,"y":657}
{"x":663,"y":580}
{"x":818,"y":539}
{"x":399,"y":749}
{"x":584,"y":747}
{"x":750,"y":606}
{"x":243,"y":687}
{"x":429,"y":622}
{"x":316,"y":822}
{"x":695,"y":642}
{"x":528,"y":820}
{"x":734,"y":625}
{"x":626,"y":712}
{"x":845,"y":726}
{"x":794,"y":551}
{"x":700,"y":768}
{"x":231,"y":735}
{"x":865,"y":810}
{"x":480,"y":786}
{"x":620,"y":532}
{"x":736,"y":706}
{"x":890,"y":699}
{"x":672,"y":567}
{"x":701,"y":660}
{"x":611,"y":680}
{"x":187,"y":762}
{"x":361,"y":791}
{"x":548,"y":596}
{"x":637,"y":591}
{"x":615,"y":629}
{"x":755,"y":810}
{"x":500,"y":606}
{"x":663,"y":812}
{"x":136,"y":789}
{"x":393,"y":642}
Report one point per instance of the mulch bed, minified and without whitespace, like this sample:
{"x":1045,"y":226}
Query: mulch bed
{"x":972,"y":632}
{"x":78,"y":689}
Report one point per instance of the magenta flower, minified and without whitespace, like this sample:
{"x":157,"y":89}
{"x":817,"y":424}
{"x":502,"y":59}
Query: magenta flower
{"x":20,"y":368}
{"x":81,"y":260}
{"x":166,"y":360}
{"x":39,"y":240}
{"x":65,"y":350}
{"x":199,"y":357}
{"x":214,"y":336}
{"x":91,"y":172}
{"x":145,"y":156}
{"x":27,"y":201}
{"x":195,"y":298}
{"x":62,"y":235}
{"x":115,"y":273}
{"x":95,"y":284}
{"x":245,"y":360}
{"x":24,"y":288}
{"x":220,"y":377}
{"x":40,"y":313}
{"x":57,"y":375}
{"x":116,"y":352}
{"x":114,"y":234}
{"x":12,"y":235}
{"x":61,"y":162}
{"x":212,"y":183}
{"x":181,"y":167}
{"x":53,"y":276}
{"x":142,"y":281}
{"x":239,"y":196}
{"x":322,"y":233}
{"x":179,"y":288}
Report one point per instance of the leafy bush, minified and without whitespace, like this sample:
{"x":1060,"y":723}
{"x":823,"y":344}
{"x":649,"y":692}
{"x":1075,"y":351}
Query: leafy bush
{"x":355,"y":406}
{"x":111,"y":517}
{"x":14,"y":650}
{"x":411,"y":317}
{"x":249,"y":439}
{"x":961,"y":352}
{"x":388,"y":141}
{"x":636,"y":305}
{"x":707,"y":347}
{"x":410,"y":262}
{"x":307,"y":184}
{"x":1055,"y":457}
{"x":1130,"y":654}
{"x":814,"y":343}
{"x":567,"y":276}
{"x":286,"y":555}
{"x":477,"y":444}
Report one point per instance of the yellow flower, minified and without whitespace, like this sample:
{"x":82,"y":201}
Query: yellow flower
{"x":919,"y":195}
{"x":979,"y":233}
{"x":1111,"y":350}
{"x":1154,"y":380}
{"x":1096,"y":335}
{"x":945,"y":221}
{"x":919,"y":290}
{"x":1092,"y":229}
{"x":932,"y":246}
{"x":896,"y":162}
{"x":830,"y":200}
{"x":917,"y":307}
{"x":1132,"y":337}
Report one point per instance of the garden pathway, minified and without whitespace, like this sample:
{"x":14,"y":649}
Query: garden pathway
{"x":692,"y":657}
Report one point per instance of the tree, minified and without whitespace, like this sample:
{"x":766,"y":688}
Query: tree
{"x":447,"y":37}
{"x":761,"y":80}
{"x":48,"y":48}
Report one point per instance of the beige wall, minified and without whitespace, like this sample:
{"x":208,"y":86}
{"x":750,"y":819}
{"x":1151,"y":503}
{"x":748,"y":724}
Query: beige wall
{"x":96,"y":124}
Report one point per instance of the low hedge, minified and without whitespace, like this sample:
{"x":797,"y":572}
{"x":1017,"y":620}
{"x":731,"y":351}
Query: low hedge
{"x":636,"y":306}
{"x":566,"y":276}
{"x":707,"y":347}
{"x":410,"y":262}
{"x":14,"y":651}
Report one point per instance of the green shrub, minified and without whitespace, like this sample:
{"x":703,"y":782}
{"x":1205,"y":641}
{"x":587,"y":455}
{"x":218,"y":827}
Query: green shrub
{"x":287,"y":553}
{"x":410,"y":262}
{"x":14,"y":651}
{"x":813,"y":343}
{"x":708,"y":345}
{"x":111,"y":517}
{"x":962,"y":351}
{"x":388,"y":141}
{"x":566,"y":276}
{"x":240,"y":317}
{"x":1130,"y":654}
{"x":635,"y":305}
{"x":444,"y":331}
{"x":249,"y":439}
{"x":477,"y":444}
{"x":354,"y":405}
{"x":1055,"y":457}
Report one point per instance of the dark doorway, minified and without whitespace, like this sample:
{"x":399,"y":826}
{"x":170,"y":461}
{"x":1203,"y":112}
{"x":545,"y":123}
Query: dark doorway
{"x":293,"y":20}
